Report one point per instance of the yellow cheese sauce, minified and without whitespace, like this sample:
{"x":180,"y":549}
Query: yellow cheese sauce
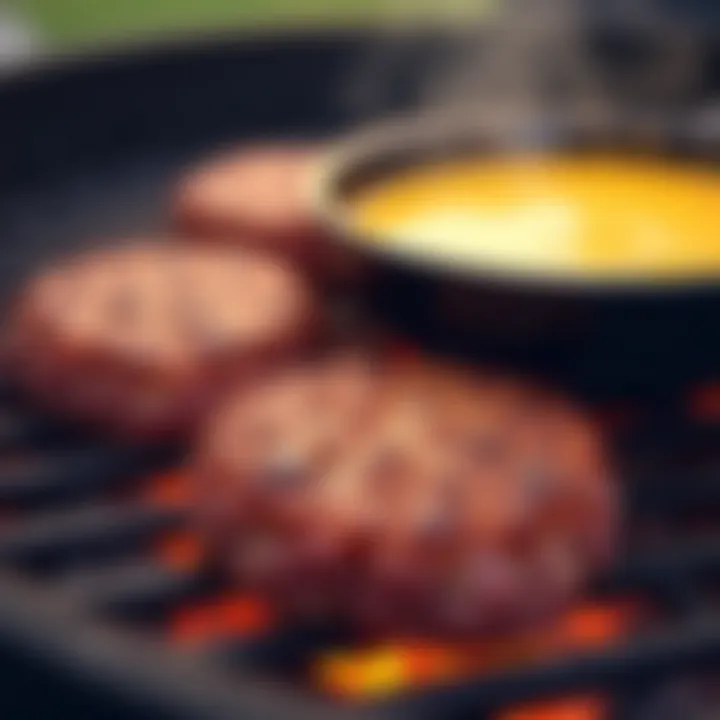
{"x":597,"y":216}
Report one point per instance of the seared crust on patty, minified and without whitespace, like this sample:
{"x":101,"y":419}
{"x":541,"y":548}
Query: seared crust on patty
{"x":140,"y":339}
{"x":405,"y":499}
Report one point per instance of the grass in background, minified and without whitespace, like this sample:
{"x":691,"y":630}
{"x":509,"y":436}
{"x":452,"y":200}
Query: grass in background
{"x":69,"y":22}
{"x":75,"y":22}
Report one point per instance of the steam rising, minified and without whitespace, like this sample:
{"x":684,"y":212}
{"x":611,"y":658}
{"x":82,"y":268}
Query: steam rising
{"x":518,"y":63}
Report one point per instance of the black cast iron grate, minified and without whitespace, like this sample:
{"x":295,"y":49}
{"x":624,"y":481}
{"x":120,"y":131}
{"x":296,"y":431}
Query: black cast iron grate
{"x":82,"y":593}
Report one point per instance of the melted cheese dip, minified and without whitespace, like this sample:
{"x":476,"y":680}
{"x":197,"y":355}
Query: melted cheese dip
{"x":578,"y":215}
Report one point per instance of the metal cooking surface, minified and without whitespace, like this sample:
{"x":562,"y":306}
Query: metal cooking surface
{"x":95,"y":577}
{"x":100,"y":588}
{"x":42,"y":223}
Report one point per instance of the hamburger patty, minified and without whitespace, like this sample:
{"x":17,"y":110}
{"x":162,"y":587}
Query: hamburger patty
{"x":405,"y":499}
{"x":258,"y":197}
{"x":139,"y":339}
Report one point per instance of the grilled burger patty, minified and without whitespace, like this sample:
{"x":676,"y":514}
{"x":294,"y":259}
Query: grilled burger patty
{"x":405,"y":499}
{"x":257,"y":196}
{"x":140,"y":338}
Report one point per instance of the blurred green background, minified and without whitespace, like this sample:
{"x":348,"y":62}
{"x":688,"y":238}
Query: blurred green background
{"x":73,"y":22}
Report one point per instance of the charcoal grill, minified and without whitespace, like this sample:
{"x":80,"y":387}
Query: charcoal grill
{"x":90,"y":596}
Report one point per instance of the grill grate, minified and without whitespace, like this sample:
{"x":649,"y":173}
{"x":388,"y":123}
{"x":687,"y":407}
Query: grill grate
{"x":99,"y":584}
{"x":84,"y":581}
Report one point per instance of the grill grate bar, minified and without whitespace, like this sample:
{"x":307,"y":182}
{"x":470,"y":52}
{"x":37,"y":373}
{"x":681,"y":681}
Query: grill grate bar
{"x":69,"y":474}
{"x":20,"y":429}
{"x":283,"y":651}
{"x":664,"y":565}
{"x":681,"y":493}
{"x":61,"y":535}
{"x":128,"y":666}
{"x":135,"y":590}
{"x":673,"y":435}
{"x":680,"y":650}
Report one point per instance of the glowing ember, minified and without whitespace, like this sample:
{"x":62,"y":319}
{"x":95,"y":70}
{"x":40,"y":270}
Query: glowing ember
{"x":220,"y":617}
{"x":172,"y":488}
{"x":180,"y":551}
{"x":393,"y":667}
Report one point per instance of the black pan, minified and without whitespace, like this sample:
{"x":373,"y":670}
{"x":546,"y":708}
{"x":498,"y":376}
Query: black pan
{"x":619,"y":336}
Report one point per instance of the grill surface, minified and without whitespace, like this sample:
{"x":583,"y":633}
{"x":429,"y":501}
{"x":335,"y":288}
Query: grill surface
{"x":88,"y":588}
{"x":102,"y":602}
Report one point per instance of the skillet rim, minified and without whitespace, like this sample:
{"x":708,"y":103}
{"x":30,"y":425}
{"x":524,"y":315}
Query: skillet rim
{"x":371,"y":144}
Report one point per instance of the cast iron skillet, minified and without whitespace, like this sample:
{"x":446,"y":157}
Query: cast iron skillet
{"x":599,"y":336}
